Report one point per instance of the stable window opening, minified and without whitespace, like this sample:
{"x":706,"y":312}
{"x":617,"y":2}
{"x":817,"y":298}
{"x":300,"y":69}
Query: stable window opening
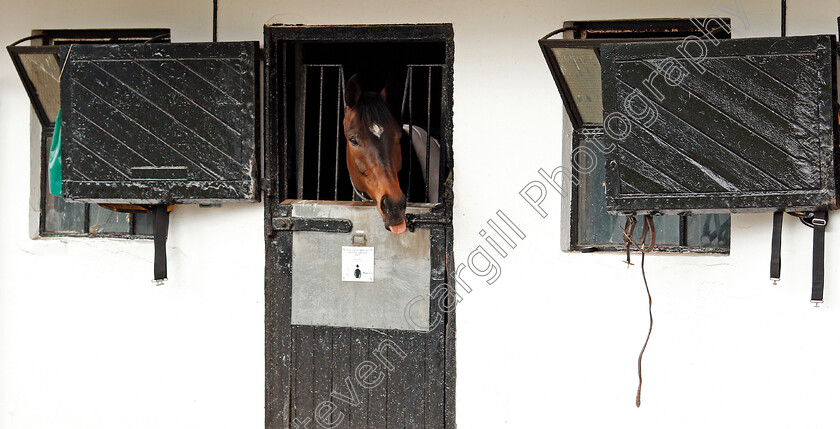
{"x":56,"y":216}
{"x":574,"y":62}
{"x":408,"y":75}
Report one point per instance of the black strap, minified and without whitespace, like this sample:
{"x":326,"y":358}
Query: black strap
{"x":776,"y":247}
{"x":818,"y":274}
{"x":161,"y":231}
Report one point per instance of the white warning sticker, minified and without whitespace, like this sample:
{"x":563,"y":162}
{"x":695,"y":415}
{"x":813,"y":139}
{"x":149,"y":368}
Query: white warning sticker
{"x":356,"y":264}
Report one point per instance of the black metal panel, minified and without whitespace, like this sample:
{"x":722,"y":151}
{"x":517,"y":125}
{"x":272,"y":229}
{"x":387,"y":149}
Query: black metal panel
{"x":160,"y":123}
{"x":748,"y":127}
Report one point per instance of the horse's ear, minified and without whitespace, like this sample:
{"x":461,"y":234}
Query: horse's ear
{"x":352,"y":92}
{"x":384,"y":93}
{"x":387,"y":95}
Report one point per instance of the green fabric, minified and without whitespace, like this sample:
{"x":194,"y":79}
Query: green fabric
{"x":54,"y":162}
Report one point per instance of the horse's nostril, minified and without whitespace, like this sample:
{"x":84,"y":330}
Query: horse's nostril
{"x":390,"y":206}
{"x":386,"y":204}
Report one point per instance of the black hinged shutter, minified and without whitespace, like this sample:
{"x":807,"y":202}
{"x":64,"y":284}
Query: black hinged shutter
{"x":160,"y":123}
{"x":749,"y":126}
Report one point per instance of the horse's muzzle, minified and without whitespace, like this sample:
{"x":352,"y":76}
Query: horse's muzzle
{"x":393,"y":213}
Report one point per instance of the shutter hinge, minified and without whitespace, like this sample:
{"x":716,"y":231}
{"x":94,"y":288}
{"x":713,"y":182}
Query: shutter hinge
{"x":267,"y":188}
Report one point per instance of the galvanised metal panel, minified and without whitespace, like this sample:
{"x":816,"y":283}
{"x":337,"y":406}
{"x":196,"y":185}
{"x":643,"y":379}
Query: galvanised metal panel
{"x":747,"y":127}
{"x":160,"y":123}
{"x":398,"y":296}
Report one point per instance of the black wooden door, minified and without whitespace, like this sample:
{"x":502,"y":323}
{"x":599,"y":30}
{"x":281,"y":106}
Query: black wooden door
{"x":344,"y":354}
{"x":333,"y":355}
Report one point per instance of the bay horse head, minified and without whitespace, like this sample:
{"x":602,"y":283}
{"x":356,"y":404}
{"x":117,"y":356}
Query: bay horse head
{"x":373,"y":152}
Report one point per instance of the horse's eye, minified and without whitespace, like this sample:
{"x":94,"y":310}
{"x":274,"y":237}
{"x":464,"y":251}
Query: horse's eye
{"x":354,"y":141}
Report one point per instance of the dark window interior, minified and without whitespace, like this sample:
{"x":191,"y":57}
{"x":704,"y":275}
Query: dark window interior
{"x":412,"y":75}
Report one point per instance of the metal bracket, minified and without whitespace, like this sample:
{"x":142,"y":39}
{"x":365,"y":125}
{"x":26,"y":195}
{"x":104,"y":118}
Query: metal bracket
{"x":359,"y":238}
{"x":315,"y":224}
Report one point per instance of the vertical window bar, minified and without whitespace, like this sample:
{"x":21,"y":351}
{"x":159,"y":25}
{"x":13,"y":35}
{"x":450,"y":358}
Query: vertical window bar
{"x":320,"y":129}
{"x":428,"y":131}
{"x":340,"y":91}
{"x":409,"y":79}
{"x":683,"y":231}
{"x":301,"y":122}
{"x":284,"y":126}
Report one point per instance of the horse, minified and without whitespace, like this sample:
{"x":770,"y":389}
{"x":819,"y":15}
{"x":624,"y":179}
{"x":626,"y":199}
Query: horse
{"x":420,"y":138}
{"x":374,"y":157}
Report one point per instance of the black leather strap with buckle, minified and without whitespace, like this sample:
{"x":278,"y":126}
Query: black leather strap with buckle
{"x":160,"y":226}
{"x":817,"y":221}
{"x":776,"y":247}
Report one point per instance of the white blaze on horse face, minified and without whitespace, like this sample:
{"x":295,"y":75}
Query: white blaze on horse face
{"x":377,"y":130}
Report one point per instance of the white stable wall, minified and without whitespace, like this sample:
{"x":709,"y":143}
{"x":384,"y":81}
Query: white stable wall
{"x":87,"y":342}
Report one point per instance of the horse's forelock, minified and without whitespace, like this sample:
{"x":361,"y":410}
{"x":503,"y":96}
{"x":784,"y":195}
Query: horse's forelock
{"x":372,"y":110}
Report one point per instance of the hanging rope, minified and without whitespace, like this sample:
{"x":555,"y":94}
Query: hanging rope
{"x":629,"y":226}
{"x":648,"y":229}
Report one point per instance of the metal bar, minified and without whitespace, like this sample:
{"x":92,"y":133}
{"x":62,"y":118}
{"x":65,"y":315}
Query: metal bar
{"x":302,"y":72}
{"x":409,"y":77}
{"x":337,"y":129}
{"x":784,"y":18}
{"x":683,"y":226}
{"x":286,"y":169}
{"x":413,"y":220}
{"x":215,"y":21}
{"x":428,"y":132}
{"x":311,"y":224}
{"x":339,"y":103}
{"x":320,"y":129}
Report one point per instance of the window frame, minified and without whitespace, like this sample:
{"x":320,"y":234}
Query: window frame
{"x":576,"y":34}
{"x":65,"y":36}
